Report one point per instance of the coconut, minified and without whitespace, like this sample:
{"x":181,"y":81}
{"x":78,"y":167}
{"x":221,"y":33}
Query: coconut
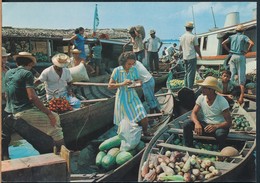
{"x":229,"y":151}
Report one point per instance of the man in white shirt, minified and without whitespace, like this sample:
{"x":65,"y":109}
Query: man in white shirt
{"x":57,"y":80}
{"x":210,"y":115}
{"x":154,"y":44}
{"x":189,"y":45}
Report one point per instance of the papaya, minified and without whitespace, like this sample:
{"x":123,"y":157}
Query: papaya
{"x":114,"y":151}
{"x":99,"y":158}
{"x":110,"y":143}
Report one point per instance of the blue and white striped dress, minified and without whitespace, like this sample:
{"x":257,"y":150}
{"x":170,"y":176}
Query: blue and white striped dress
{"x":127,"y":101}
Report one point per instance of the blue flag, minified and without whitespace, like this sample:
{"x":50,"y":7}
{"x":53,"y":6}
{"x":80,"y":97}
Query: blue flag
{"x":96,"y":19}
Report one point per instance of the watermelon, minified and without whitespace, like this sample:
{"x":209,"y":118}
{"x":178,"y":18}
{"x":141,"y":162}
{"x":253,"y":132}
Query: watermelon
{"x":110,"y":143}
{"x":108,"y":162}
{"x":99,"y":158}
{"x":123,"y":157}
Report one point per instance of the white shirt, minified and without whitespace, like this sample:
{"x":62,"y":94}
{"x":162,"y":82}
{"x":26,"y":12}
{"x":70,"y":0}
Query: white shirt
{"x":153,"y":44}
{"x":187,"y":42}
{"x":212,"y":114}
{"x":144,"y":74}
{"x":54,"y":82}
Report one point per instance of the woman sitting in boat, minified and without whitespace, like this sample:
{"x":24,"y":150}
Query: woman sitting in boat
{"x":58,"y":79}
{"x":210,"y":115}
{"x":230,"y":89}
{"x":127,"y":102}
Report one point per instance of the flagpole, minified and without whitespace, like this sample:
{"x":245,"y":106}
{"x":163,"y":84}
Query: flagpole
{"x":94,"y":24}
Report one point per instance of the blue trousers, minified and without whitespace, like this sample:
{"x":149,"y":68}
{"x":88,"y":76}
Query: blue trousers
{"x":148,"y":90}
{"x":190,"y":72}
{"x":188,"y":126}
{"x":153,"y":61}
{"x":238,"y":66}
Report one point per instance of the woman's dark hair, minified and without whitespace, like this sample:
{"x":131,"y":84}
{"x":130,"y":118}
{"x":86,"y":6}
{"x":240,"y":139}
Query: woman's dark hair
{"x":125,"y":56}
{"x":23,"y":61}
{"x":226,"y":72}
{"x":76,"y":31}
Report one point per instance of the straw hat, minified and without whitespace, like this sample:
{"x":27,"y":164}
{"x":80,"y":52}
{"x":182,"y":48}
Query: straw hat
{"x":240,"y":28}
{"x":189,"y":25}
{"x":152,"y":31}
{"x":25,"y":55}
{"x":4,"y":54}
{"x":210,"y":82}
{"x":60,"y":60}
{"x":76,"y":51}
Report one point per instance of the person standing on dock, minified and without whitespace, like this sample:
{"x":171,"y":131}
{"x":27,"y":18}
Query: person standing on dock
{"x":189,"y":46}
{"x":137,"y":41}
{"x":24,"y":104}
{"x":237,"y":61}
{"x":79,"y":41}
{"x":127,"y":102}
{"x":154,"y":45}
{"x":210,"y":115}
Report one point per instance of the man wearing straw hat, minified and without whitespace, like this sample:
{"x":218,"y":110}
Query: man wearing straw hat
{"x":210,"y":115}
{"x":238,"y":60}
{"x":58,"y":79}
{"x":189,"y":46}
{"x":24,"y":105}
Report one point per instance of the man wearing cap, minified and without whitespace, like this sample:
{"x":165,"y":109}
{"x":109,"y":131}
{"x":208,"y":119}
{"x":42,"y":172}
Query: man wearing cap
{"x":137,"y":41}
{"x":58,"y":79}
{"x":23,"y":103}
{"x":210,"y":115}
{"x":189,"y":46}
{"x":237,"y":61}
{"x":153,"y":49}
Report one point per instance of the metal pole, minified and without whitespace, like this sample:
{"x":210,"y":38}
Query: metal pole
{"x":213,"y":17}
{"x":193,"y":20}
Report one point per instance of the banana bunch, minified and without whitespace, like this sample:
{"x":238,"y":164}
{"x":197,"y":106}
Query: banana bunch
{"x":176,"y":83}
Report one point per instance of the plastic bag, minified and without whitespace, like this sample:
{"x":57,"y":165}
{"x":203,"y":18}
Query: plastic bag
{"x":130,"y":134}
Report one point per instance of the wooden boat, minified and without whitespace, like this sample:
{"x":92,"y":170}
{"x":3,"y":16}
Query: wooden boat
{"x":86,"y":173}
{"x":244,"y":141}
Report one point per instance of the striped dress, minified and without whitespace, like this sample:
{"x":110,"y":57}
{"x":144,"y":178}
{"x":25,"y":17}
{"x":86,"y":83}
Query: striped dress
{"x":127,"y":101}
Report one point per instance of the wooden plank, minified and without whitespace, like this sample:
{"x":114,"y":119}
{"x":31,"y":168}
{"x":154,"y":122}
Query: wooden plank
{"x":157,"y":114}
{"x":162,"y":94}
{"x":94,"y":100}
{"x":89,"y":84}
{"x":231,"y":135}
{"x":224,"y":165}
{"x":193,"y":150}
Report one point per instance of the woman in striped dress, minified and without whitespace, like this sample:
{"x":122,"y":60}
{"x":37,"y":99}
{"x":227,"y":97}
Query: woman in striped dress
{"x":127,"y":102}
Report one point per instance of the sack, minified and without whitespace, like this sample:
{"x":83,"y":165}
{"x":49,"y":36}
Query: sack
{"x":140,"y":30}
{"x":130,"y":134}
{"x":79,"y":73}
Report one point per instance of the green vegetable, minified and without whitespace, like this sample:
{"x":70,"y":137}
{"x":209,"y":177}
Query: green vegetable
{"x":114,"y":151}
{"x":123,"y":157}
{"x":99,"y":157}
{"x":108,"y":162}
{"x":110,"y":143}
{"x":173,"y":178}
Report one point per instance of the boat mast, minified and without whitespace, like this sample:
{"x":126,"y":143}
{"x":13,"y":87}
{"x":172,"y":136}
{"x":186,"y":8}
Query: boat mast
{"x":213,"y":17}
{"x":193,"y":20}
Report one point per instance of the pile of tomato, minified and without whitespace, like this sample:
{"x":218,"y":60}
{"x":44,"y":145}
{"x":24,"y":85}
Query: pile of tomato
{"x":59,"y":105}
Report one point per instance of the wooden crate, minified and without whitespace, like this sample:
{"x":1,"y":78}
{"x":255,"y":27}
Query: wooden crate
{"x":46,"y":167}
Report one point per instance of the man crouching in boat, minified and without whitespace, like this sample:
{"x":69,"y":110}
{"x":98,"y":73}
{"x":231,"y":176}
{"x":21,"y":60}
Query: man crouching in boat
{"x":215,"y":119}
{"x":58,"y":79}
{"x":28,"y":115}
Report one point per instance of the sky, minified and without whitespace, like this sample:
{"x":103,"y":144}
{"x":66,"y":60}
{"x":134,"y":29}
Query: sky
{"x":166,"y":18}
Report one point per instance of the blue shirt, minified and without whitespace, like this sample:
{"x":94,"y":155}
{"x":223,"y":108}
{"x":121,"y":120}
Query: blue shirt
{"x":238,"y":42}
{"x":80,"y":44}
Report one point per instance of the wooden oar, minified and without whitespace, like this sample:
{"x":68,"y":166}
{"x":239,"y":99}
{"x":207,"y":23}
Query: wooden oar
{"x":192,"y":150}
{"x":156,"y":114}
{"x":89,"y":84}
{"x":94,"y":100}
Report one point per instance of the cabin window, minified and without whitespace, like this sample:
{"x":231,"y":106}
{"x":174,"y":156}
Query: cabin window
{"x":205,"y":41}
